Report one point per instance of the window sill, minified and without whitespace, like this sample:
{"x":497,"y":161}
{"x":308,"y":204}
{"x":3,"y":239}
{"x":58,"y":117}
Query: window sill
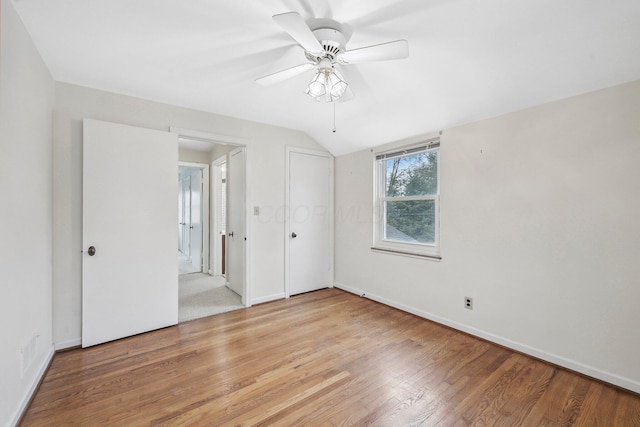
{"x":406,"y":253}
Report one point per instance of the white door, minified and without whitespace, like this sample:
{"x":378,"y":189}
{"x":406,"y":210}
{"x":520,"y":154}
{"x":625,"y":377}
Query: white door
{"x":218,"y":236}
{"x":310,"y":221}
{"x":196,"y":219}
{"x":184,"y":215}
{"x":130,"y":282}
{"x":236,"y":236}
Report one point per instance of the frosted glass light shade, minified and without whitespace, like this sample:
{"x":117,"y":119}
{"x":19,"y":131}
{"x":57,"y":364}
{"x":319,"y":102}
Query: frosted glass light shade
{"x":316,"y":87}
{"x":327,"y":84}
{"x":338,"y":86}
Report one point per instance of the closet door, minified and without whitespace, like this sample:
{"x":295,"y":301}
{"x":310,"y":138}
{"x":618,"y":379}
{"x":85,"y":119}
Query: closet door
{"x":309,"y":261}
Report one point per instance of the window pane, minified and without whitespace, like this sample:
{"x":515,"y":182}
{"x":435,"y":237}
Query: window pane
{"x":411,"y":221}
{"x":413,"y":175}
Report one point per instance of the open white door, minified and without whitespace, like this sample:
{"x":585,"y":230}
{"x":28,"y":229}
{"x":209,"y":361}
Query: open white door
{"x":184,"y":215}
{"x":309,"y":247}
{"x":219,"y":220}
{"x":196,"y":218}
{"x":236,"y":236}
{"x":129,"y":263}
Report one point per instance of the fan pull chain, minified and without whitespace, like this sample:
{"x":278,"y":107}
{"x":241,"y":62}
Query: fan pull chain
{"x":334,"y":116}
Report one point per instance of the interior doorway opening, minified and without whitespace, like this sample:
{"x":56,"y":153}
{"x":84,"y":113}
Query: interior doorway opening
{"x":217,"y":283}
{"x":191,"y":218}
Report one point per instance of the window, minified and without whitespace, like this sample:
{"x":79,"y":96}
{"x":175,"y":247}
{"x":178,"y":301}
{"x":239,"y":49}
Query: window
{"x":407,"y":200}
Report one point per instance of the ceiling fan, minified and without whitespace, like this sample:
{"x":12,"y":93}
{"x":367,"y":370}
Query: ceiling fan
{"x":325,"y":50}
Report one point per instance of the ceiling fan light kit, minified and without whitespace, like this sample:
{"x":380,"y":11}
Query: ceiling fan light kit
{"x":324,"y":48}
{"x":326,"y":83}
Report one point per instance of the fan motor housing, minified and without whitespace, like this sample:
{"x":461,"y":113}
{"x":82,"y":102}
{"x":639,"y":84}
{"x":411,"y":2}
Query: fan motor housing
{"x":333,"y":43}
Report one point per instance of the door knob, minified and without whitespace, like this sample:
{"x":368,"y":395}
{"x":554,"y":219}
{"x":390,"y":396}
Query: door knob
{"x":91,"y":251}
{"x":231,"y":234}
{"x":294,"y":235}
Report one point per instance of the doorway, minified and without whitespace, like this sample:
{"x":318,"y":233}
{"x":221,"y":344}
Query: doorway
{"x":191,"y":218}
{"x":207,"y":288}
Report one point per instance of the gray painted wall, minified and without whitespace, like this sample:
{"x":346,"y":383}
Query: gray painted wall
{"x":539,"y":225}
{"x":26,"y":102}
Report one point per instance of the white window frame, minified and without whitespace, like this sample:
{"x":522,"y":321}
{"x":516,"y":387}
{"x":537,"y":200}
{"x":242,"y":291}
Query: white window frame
{"x":380,"y":244}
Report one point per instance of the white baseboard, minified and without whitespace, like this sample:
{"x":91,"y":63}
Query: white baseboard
{"x":67,"y":344}
{"x":32,"y":388}
{"x":268,"y":298}
{"x":349,"y":289}
{"x":573,"y":365}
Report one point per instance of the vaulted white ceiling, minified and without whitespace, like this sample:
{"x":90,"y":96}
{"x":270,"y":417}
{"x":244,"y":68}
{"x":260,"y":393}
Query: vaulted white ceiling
{"x":469,"y":59}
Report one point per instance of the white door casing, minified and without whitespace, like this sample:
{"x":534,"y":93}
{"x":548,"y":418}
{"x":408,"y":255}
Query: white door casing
{"x":130,"y":284}
{"x":236,"y":215}
{"x":309,"y":221}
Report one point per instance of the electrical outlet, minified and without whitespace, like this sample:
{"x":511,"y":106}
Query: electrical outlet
{"x":468,"y":303}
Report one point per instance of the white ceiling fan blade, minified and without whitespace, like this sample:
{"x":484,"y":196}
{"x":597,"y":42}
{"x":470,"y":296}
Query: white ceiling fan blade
{"x":398,"y":49}
{"x":293,"y":24}
{"x":283,"y":75}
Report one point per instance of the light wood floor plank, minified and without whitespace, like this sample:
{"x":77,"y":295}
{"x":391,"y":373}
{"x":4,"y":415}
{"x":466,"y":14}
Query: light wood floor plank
{"x":322,"y":358}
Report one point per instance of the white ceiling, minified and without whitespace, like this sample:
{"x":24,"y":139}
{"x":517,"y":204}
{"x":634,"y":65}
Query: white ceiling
{"x":469,"y":59}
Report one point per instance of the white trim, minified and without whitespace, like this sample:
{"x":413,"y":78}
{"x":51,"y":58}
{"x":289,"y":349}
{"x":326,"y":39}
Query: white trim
{"x":67,"y":344}
{"x":247,"y":232}
{"x":287,"y":223}
{"x":268,"y":298}
{"x":402,"y":252}
{"x":26,"y":399}
{"x":590,"y":371}
{"x":198,"y":135}
{"x":205,"y":210}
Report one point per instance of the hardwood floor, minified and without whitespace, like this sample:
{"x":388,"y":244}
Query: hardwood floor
{"x":323,"y":358}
